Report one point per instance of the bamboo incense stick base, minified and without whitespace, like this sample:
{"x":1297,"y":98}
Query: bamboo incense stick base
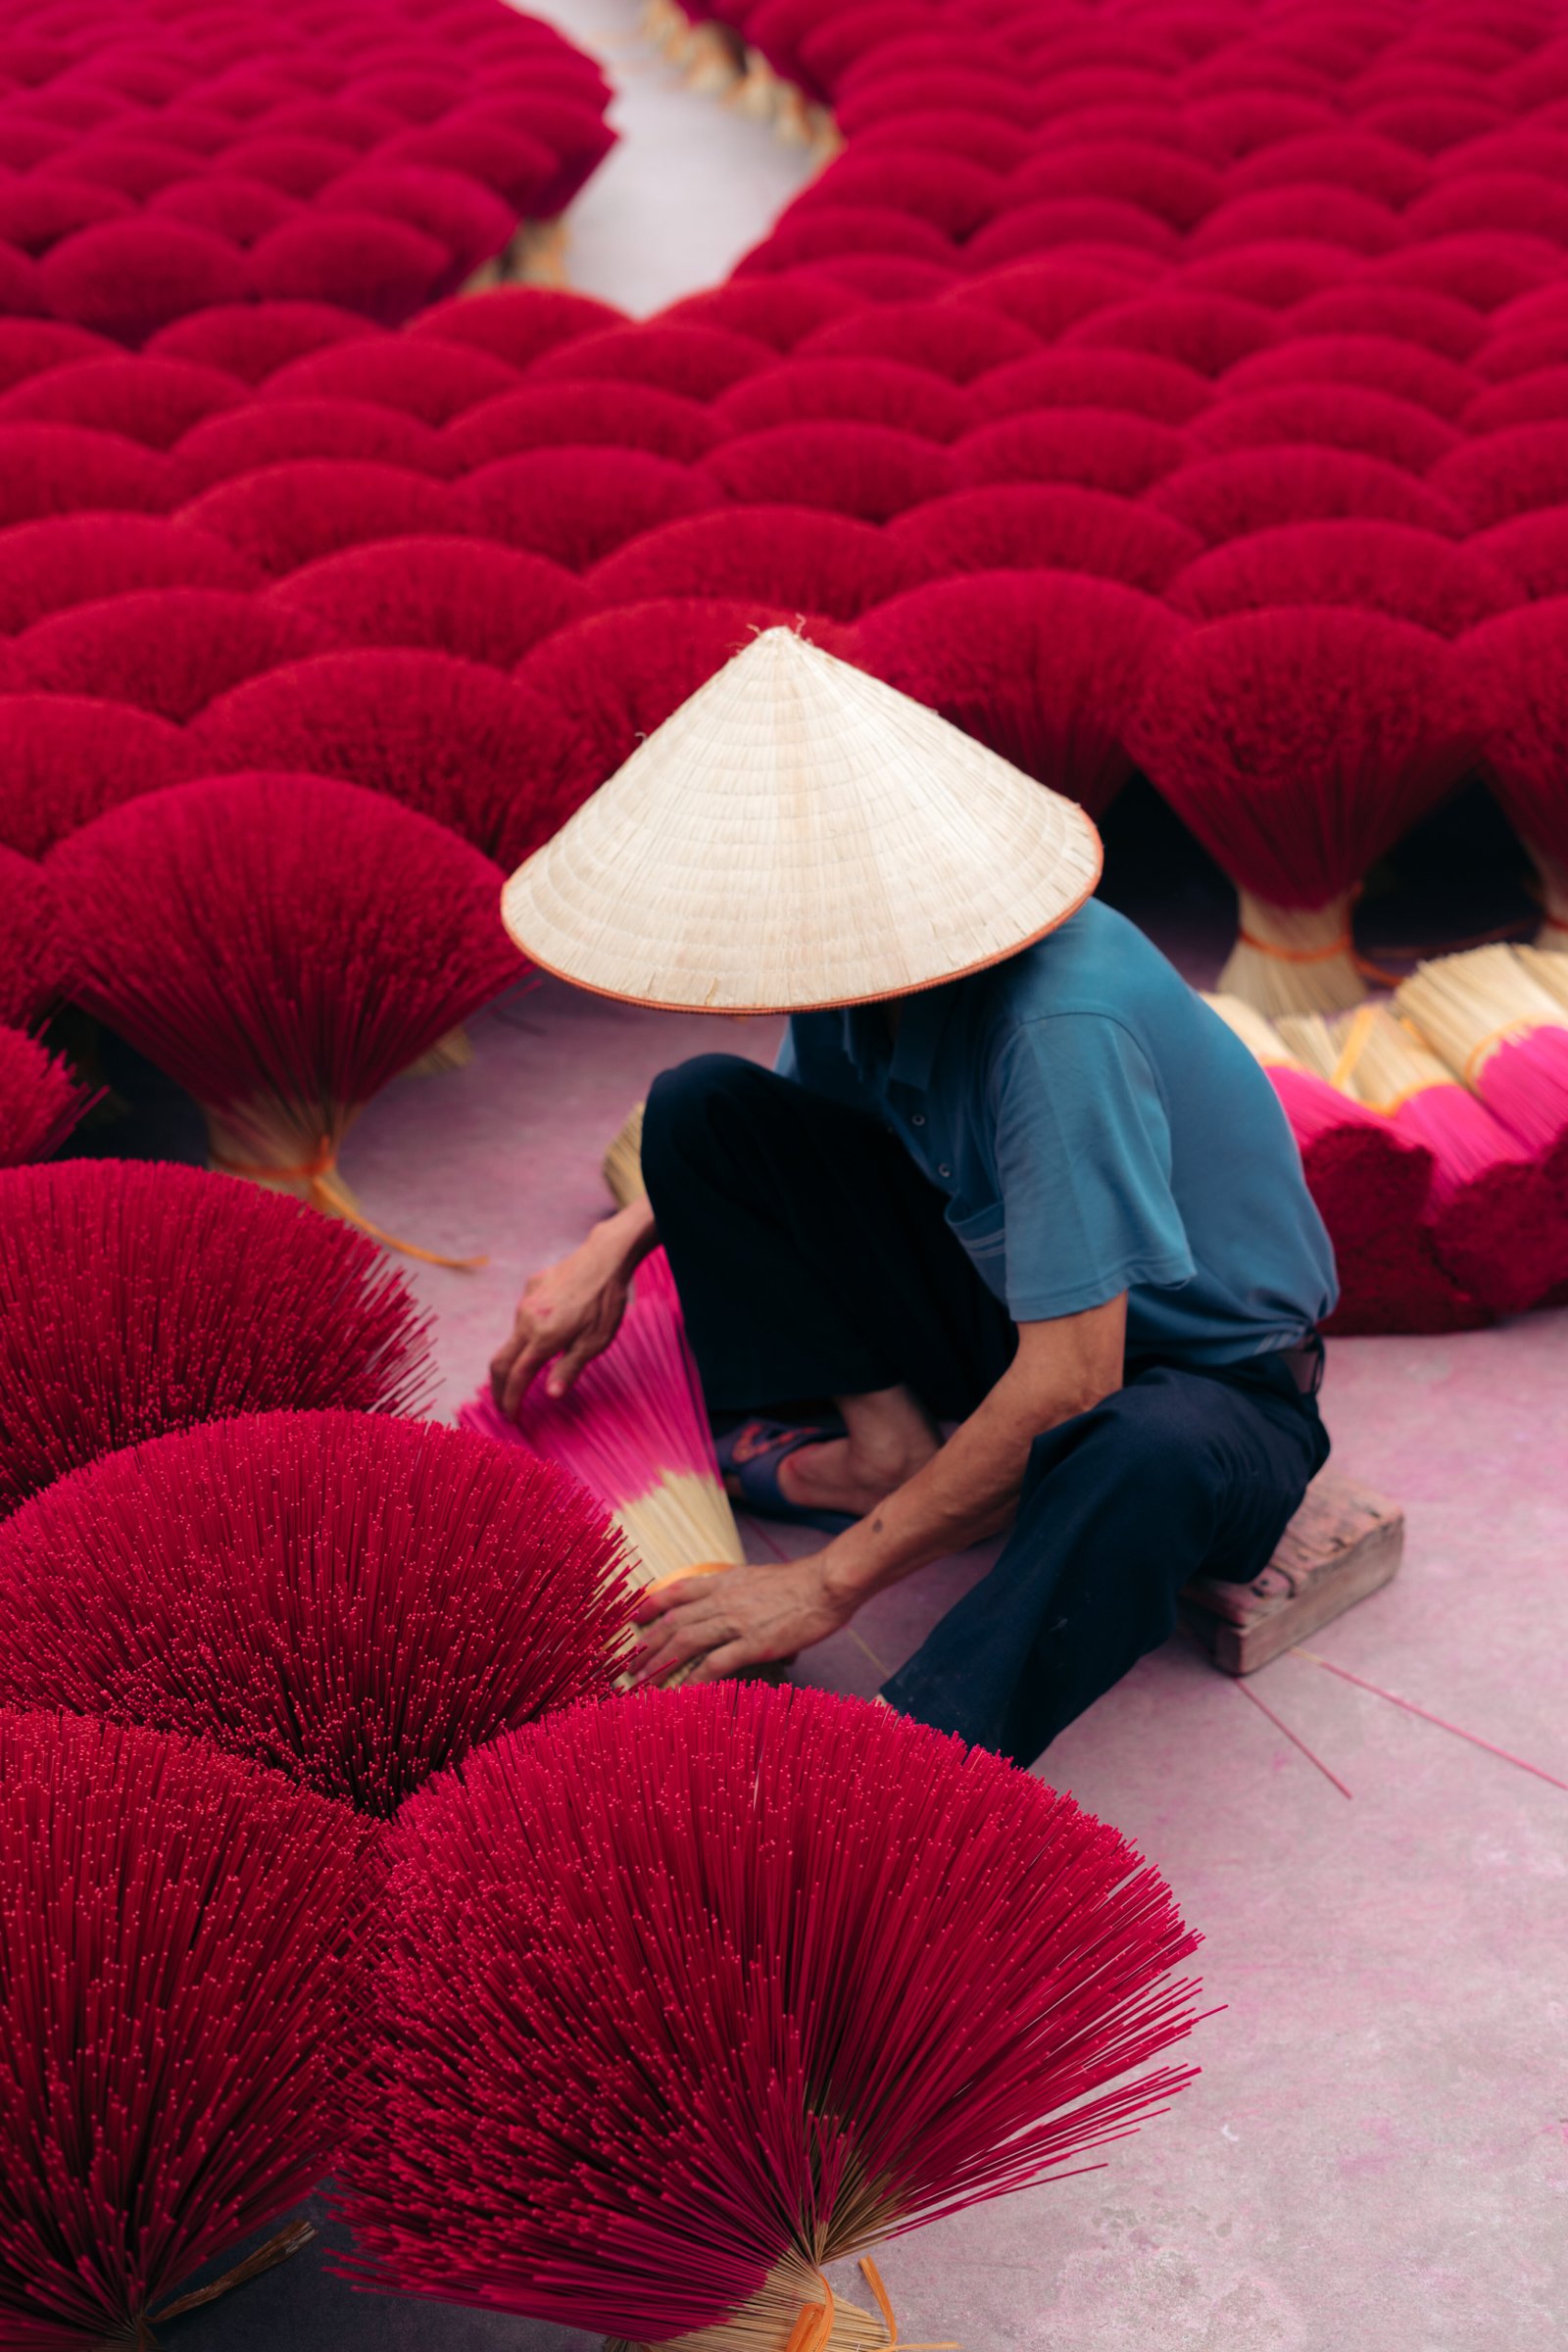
{"x":280,"y":1162}
{"x":622,"y":1165}
{"x":454,"y":1052}
{"x":768,"y":2321}
{"x":1293,"y":958}
{"x":1554,"y":932}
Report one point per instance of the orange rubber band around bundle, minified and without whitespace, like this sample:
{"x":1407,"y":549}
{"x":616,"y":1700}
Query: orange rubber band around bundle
{"x":326,"y":1194}
{"x":1345,"y":944}
{"x":813,"y":2321}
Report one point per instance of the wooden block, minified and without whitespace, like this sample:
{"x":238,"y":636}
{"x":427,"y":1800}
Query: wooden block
{"x":1343,"y":1542}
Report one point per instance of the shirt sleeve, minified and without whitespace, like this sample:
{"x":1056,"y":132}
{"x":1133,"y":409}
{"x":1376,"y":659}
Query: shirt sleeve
{"x":1084,"y":1168}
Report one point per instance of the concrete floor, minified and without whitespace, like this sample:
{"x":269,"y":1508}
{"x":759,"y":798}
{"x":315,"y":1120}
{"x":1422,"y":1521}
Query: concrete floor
{"x":1376,"y":2156}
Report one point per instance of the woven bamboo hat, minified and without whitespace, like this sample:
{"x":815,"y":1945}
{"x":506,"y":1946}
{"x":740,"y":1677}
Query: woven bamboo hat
{"x":799,"y":835}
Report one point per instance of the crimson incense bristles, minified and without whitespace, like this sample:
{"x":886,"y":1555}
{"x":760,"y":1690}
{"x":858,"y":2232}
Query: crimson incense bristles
{"x":1175,"y":187}
{"x":1055,"y":224}
{"x":32,"y":952}
{"x":153,"y":401}
{"x":1108,"y":450}
{"x":287,"y":515}
{"x":431,"y":381}
{"x":1329,"y":417}
{"x":184,"y":1943}
{"x":139,"y":1296}
{"x":575,"y":505}
{"x":1040,"y":297}
{"x":1255,"y":489}
{"x":801,"y":559}
{"x":1344,"y":158}
{"x":278,"y":432}
{"x":832,"y":234}
{"x":871,"y":471}
{"x":470,"y":598}
{"x":71,"y":559}
{"x":805,"y":389}
{"x":958,"y":339}
{"x":781,"y":313}
{"x":1418,"y":315}
{"x":127,"y":278}
{"x":1206,"y":333}
{"x":517,"y":325}
{"x":634,"y":1430}
{"x":222,"y":204}
{"x":1499,"y":476}
{"x":69,"y":470}
{"x":1518,"y":671}
{"x":448,"y":738}
{"x":1377,"y":363}
{"x":30,"y":346}
{"x":697,"y":361}
{"x":41,"y":1100}
{"x":253,"y":339}
{"x":1381,"y":567}
{"x":1299,"y":743}
{"x":891,"y":1977}
{"x":355,"y":1600}
{"x":616,"y":416}
{"x":169,"y":651}
{"x":67,"y":757}
{"x":1136,"y":381}
{"x":1045,"y":526}
{"x":1044,"y":667}
{"x":351,"y":260}
{"x":281,"y":945}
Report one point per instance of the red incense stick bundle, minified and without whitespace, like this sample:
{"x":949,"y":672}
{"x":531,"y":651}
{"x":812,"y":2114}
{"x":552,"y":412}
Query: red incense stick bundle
{"x":354,"y":1599}
{"x":634,"y":1429}
{"x":182,"y":1942}
{"x":280,"y":946}
{"x":1299,"y":743}
{"x":41,"y":1098}
{"x":139,"y":1296}
{"x":891,"y":1977}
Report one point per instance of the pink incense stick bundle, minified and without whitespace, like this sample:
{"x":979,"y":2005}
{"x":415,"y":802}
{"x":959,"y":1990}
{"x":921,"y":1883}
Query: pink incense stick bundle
{"x":281,"y":946}
{"x":634,"y":1429}
{"x":1505,"y":1035}
{"x":354,"y":1599}
{"x":1372,"y":1186}
{"x":1495,"y":1223}
{"x":41,"y":1098}
{"x":138,"y":1297}
{"x":183,"y":1942}
{"x":891,"y":1977}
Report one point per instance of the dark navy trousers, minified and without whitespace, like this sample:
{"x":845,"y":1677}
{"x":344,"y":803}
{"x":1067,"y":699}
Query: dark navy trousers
{"x":813,"y":1260}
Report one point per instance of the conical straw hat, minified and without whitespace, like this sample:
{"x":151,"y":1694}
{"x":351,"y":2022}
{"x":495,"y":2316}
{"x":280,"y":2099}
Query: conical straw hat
{"x":799,"y":835}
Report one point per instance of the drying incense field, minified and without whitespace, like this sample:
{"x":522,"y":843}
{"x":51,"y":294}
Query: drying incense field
{"x":398,"y":403}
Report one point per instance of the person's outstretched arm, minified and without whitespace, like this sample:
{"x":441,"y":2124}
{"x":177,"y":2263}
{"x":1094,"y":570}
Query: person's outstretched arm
{"x":572,"y":1310}
{"x":969,"y":1490}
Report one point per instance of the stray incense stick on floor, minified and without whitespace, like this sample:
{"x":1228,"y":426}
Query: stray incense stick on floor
{"x":1410,"y":1707}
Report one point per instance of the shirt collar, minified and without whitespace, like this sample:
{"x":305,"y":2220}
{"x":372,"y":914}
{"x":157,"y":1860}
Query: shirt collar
{"x":912,"y":1058}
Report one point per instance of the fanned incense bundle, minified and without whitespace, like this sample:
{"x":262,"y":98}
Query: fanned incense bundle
{"x":1371,"y":1185}
{"x":353,"y":1599}
{"x":1495,"y":1224}
{"x":634,"y":1429}
{"x":800,"y":558}
{"x":1299,"y":743}
{"x":277,"y":1309}
{"x":891,"y":1977}
{"x":41,"y":1100}
{"x":1518,"y":667}
{"x":1506,"y":1038}
{"x":32,"y":953}
{"x":281,"y":946}
{"x":183,"y":1943}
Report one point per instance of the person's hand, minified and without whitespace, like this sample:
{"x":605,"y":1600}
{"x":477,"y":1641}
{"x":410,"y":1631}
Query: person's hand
{"x":744,"y":1617}
{"x":569,"y":1313}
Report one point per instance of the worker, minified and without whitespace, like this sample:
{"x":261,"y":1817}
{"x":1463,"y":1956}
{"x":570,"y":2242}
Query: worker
{"x":1010,"y":1180}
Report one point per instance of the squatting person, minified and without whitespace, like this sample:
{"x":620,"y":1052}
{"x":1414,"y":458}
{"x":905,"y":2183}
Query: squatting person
{"x":1039,"y":1193}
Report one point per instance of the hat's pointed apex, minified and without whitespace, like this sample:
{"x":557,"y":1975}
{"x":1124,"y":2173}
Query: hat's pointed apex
{"x":799,"y":834}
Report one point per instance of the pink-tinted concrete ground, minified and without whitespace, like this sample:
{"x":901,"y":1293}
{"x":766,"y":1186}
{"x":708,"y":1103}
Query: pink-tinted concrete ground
{"x":1376,"y":2155}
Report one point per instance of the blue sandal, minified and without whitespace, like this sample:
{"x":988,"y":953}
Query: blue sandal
{"x":749,"y":1454}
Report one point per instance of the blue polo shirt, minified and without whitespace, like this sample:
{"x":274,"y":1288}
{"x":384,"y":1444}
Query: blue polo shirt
{"x":1096,"y":1129}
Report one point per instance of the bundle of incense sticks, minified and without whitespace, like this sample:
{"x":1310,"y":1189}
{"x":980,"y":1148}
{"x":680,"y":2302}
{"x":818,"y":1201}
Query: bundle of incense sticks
{"x":634,"y":1429}
{"x":1505,"y":1036}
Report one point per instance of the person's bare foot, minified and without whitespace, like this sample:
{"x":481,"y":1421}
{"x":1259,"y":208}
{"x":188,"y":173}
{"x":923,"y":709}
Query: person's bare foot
{"x":890,"y":1438}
